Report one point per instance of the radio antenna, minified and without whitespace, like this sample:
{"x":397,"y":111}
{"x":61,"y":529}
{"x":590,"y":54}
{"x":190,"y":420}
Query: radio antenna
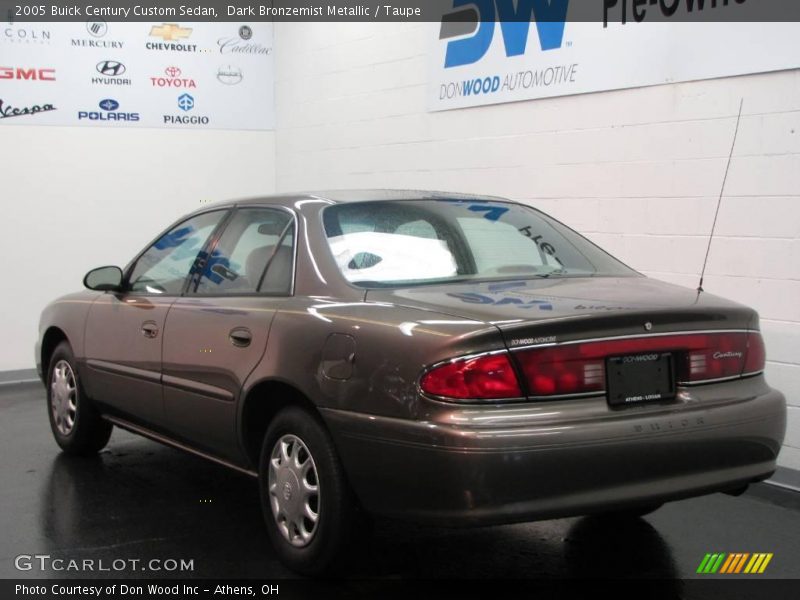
{"x":721,"y":193}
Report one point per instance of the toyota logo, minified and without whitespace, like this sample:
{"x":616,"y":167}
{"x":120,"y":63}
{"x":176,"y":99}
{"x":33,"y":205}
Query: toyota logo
{"x":172,"y":72}
{"x":112,"y":68}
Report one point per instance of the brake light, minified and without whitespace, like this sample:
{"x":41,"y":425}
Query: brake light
{"x":756,"y":357}
{"x":488,"y":377}
{"x":580,"y":368}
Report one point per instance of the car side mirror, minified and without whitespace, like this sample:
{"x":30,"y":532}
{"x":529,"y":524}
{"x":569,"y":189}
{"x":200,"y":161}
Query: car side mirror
{"x":104,"y":279}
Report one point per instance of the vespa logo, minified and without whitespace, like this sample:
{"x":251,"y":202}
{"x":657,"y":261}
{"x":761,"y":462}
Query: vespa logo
{"x":480,"y":16}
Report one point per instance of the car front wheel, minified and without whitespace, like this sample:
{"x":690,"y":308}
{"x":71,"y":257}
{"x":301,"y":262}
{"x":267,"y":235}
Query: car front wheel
{"x":309,"y":509}
{"x":76,"y":425}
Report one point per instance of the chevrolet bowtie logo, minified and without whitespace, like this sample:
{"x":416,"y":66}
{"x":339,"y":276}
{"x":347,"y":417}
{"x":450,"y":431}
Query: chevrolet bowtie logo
{"x":170,"y":31}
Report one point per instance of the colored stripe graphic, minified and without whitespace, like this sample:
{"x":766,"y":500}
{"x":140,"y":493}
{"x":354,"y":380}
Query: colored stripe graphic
{"x":734,"y":563}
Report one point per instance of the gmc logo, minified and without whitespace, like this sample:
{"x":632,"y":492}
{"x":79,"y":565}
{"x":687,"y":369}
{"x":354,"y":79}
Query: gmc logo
{"x":30,"y":74}
{"x":480,"y":16}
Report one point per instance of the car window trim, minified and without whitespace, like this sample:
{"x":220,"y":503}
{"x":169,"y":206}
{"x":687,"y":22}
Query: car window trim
{"x":291,"y":226}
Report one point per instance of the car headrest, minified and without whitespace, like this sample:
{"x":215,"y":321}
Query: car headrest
{"x":278,"y":279}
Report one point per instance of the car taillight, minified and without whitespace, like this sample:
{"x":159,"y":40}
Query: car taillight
{"x":488,"y":377}
{"x":579,"y":368}
{"x":756,"y":358}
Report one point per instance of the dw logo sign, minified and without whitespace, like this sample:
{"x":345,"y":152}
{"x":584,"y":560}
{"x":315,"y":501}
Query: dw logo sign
{"x":514,"y":18}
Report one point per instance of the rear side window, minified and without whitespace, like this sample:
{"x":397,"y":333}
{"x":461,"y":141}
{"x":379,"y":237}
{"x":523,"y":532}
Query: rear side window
{"x":254,"y":254}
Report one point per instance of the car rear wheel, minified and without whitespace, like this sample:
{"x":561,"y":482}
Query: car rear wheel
{"x":76,"y":425}
{"x":308,"y":506}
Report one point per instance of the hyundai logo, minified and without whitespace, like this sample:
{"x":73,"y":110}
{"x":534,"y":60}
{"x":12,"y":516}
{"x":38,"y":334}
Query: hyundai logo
{"x":109,"y":104}
{"x":185,"y":102}
{"x":112,"y":68}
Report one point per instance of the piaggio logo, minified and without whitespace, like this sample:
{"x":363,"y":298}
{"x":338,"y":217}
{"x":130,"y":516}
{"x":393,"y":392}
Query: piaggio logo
{"x":185,"y":102}
{"x":478,"y":17}
{"x":735,"y":563}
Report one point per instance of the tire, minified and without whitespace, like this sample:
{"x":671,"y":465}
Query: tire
{"x":632,"y":513}
{"x":306,"y":546}
{"x":76,"y":425}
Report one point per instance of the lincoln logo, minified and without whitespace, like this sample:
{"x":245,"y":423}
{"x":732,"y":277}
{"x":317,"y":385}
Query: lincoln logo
{"x":720,"y":355}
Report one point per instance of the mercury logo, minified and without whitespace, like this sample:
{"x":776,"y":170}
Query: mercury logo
{"x":97,"y":28}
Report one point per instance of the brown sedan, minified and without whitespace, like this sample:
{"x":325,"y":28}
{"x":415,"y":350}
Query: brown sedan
{"x":461,"y":359}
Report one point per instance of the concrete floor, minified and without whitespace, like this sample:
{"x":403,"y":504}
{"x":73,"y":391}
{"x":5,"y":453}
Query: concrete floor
{"x":139,"y":499}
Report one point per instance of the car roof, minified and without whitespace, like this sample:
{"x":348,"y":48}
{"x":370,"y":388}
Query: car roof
{"x":356,"y":195}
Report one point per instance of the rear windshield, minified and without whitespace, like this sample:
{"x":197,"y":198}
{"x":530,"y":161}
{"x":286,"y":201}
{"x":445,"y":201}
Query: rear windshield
{"x":412,"y":242}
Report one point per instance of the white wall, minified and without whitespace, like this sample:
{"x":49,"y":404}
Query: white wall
{"x":74,"y":198}
{"x":638,"y":171}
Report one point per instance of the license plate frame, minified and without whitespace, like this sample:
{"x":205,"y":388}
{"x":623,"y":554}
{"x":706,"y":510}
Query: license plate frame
{"x":640,"y":378}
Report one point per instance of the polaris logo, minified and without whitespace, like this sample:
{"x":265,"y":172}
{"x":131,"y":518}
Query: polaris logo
{"x":108,"y":113}
{"x":514,"y":19}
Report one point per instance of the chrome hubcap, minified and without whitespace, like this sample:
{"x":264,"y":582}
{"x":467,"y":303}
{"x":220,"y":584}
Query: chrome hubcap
{"x":294,"y":490}
{"x":63,"y":397}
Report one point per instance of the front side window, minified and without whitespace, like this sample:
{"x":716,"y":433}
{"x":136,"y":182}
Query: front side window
{"x":379,"y":244}
{"x":163,"y":268}
{"x":253,"y":254}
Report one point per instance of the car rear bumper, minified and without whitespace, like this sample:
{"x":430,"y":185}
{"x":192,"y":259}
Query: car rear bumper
{"x":477,"y":465}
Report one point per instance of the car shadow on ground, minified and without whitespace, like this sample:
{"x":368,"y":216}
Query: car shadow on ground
{"x":138,"y":499}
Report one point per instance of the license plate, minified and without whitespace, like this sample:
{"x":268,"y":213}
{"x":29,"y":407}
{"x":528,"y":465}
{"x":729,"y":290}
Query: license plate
{"x":640,"y":378}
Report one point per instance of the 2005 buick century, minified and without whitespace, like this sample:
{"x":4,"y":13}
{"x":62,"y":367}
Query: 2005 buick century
{"x":460,"y":359}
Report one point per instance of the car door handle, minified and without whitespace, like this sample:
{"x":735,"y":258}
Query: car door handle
{"x":149,"y":329}
{"x":241,"y":337}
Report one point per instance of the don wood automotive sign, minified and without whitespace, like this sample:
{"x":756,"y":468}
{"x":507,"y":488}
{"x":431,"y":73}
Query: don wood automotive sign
{"x":494,"y":51}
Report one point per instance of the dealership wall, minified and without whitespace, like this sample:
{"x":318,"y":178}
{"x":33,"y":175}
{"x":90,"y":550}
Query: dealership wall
{"x":74,"y":198}
{"x":638,"y":171}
